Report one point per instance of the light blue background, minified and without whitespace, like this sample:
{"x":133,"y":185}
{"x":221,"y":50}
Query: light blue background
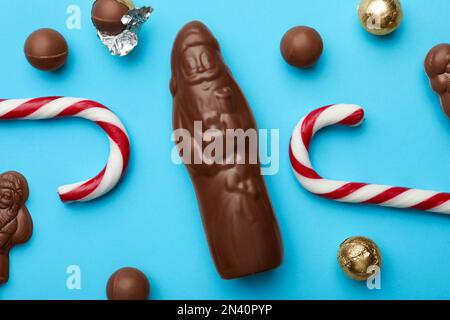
{"x":151,"y":221}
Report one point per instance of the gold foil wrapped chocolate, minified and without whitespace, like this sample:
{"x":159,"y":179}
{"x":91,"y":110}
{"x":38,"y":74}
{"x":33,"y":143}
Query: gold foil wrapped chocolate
{"x":359,"y":257}
{"x":380,"y":17}
{"x":128,"y":3}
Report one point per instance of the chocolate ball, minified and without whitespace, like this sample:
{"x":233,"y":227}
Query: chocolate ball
{"x":46,"y":50}
{"x":380,"y":17}
{"x":128,"y":284}
{"x":301,"y":47}
{"x":358,"y":256}
{"x":107,"y":16}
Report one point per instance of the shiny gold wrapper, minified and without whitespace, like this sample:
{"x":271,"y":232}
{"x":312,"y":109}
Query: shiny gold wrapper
{"x":128,"y":3}
{"x":356,"y":255}
{"x":380,"y":17}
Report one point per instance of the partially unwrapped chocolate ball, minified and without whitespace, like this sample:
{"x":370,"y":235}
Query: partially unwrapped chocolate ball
{"x":46,"y":49}
{"x":301,"y":47}
{"x":107,"y":16}
{"x":358,"y":257}
{"x":128,"y":284}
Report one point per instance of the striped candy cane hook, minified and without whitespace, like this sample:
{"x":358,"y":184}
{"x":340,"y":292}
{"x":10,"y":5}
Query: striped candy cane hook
{"x":352,"y":192}
{"x":60,"y":107}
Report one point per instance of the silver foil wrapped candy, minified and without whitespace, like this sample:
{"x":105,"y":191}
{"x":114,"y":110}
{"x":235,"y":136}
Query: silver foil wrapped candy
{"x":123,"y":43}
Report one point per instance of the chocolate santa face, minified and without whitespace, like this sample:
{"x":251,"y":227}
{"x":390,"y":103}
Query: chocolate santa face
{"x":237,"y":215}
{"x":437,"y":66}
{"x":196,"y":64}
{"x":199,"y":64}
{"x":16,"y":225}
{"x":7,"y":198}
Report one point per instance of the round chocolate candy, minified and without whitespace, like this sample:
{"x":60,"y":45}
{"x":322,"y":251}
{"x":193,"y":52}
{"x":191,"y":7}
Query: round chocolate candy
{"x":128,"y":284}
{"x":380,"y":17}
{"x":359,"y":257}
{"x":46,"y":49}
{"x":107,"y":16}
{"x":301,"y":47}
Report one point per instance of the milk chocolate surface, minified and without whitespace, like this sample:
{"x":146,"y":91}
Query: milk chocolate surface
{"x":16,"y":225}
{"x":107,"y":16}
{"x":128,"y":284}
{"x":46,"y":49}
{"x":437,"y":66}
{"x":301,"y":47}
{"x":237,"y":214}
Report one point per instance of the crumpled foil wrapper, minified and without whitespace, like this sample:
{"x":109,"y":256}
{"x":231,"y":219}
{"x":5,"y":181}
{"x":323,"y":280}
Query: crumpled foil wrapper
{"x":123,"y":43}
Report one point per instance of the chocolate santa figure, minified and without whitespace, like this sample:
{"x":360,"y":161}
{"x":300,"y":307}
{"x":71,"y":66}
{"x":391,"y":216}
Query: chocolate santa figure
{"x":16,"y":225}
{"x":437,"y":66}
{"x":237,"y":214}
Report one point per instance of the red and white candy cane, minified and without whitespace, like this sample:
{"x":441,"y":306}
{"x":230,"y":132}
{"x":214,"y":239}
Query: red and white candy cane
{"x":352,"y":192}
{"x":60,"y":107}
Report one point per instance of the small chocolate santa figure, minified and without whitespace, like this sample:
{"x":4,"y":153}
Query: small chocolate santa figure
{"x":16,"y":226}
{"x":437,"y":66}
